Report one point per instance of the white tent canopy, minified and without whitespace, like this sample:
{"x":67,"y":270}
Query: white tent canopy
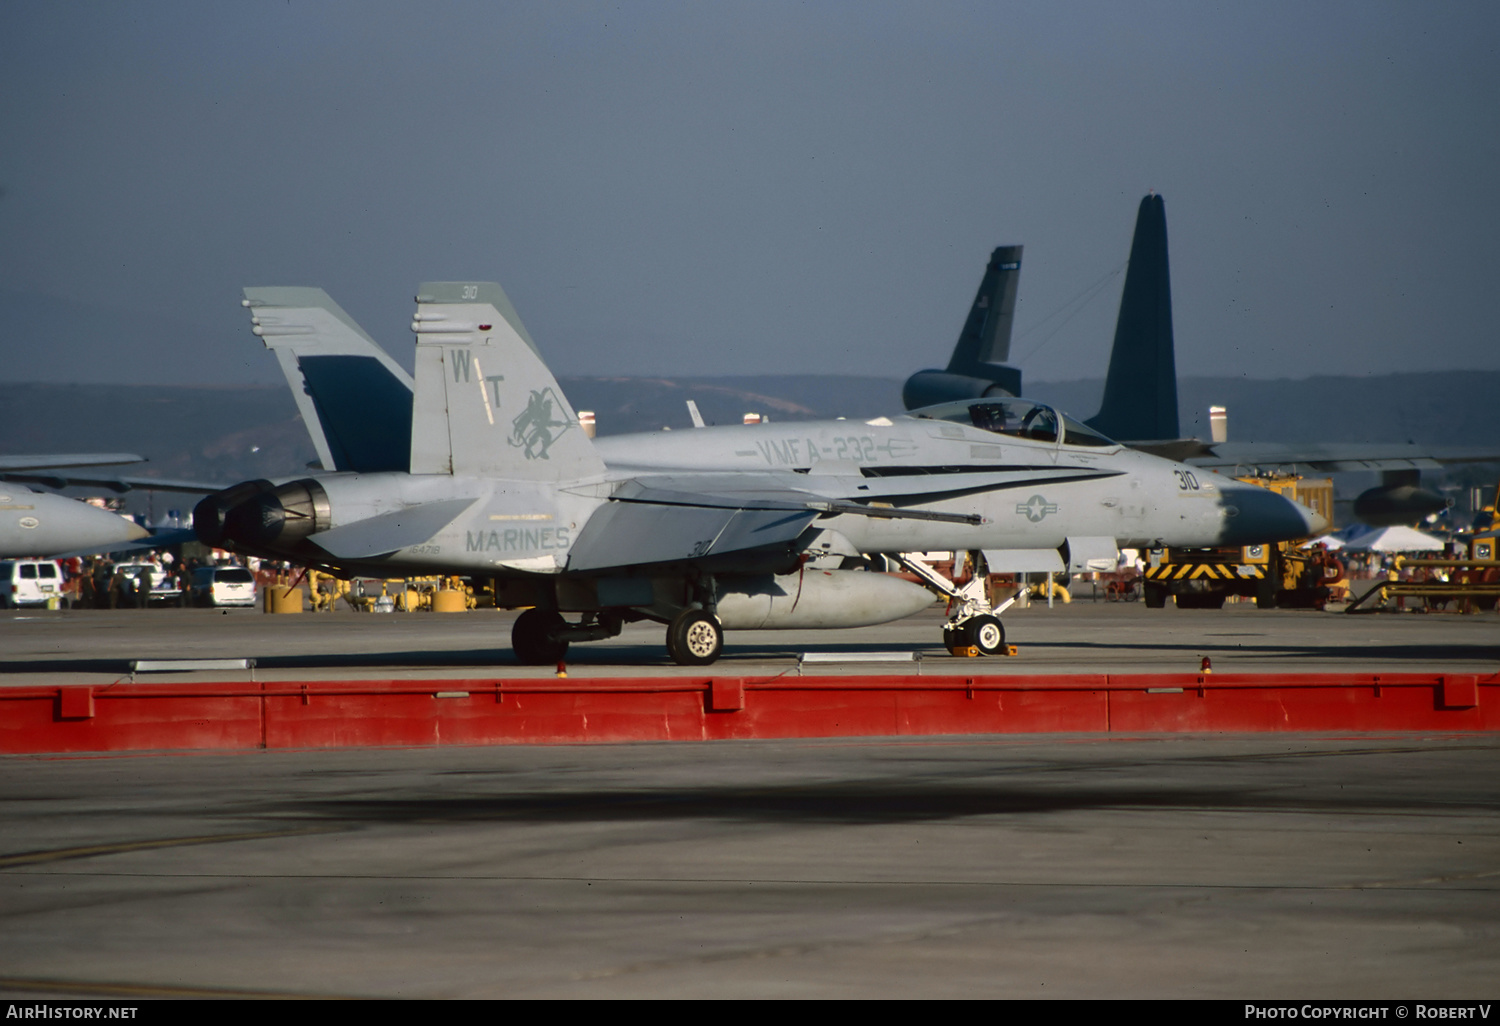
{"x":1394,"y":539}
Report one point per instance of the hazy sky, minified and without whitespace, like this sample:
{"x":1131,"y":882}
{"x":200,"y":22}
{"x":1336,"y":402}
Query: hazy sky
{"x":737,"y":188}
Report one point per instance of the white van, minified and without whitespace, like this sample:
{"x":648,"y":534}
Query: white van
{"x":223,"y":586}
{"x":30,"y":582}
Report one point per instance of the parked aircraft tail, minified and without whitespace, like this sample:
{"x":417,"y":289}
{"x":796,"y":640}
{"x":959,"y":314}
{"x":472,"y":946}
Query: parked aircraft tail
{"x":354,"y":399}
{"x":485,"y":403}
{"x":1140,"y":389}
{"x":978,"y":366}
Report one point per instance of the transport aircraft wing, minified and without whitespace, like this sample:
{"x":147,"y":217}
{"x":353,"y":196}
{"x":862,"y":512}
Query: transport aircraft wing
{"x":63,"y":478}
{"x":54,"y":470}
{"x":44,"y":461}
{"x":1338,"y":457}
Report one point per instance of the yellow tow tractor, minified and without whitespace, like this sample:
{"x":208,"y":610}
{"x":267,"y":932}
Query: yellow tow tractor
{"x":1274,"y":575}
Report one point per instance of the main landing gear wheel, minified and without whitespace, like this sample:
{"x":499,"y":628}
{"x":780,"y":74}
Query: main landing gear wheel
{"x":694,"y":638}
{"x":532,"y":640}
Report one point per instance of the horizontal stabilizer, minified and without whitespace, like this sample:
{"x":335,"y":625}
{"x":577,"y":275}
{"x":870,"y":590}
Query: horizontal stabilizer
{"x":390,"y":532}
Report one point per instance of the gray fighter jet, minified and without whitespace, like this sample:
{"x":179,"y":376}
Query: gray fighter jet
{"x":36,"y":523}
{"x":739,"y":527}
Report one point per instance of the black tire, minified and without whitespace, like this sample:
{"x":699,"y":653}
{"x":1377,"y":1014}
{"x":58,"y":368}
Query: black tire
{"x":956,"y":638}
{"x":987,"y":634}
{"x":1156,"y":595}
{"x":531,"y":639}
{"x":694,"y":638}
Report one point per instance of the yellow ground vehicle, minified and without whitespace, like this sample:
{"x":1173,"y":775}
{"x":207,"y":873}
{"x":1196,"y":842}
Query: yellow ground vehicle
{"x":1274,"y":575}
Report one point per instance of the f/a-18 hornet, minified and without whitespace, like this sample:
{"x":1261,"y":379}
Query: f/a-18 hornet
{"x":738,"y":527}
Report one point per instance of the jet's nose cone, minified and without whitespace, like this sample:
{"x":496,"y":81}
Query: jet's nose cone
{"x":135,"y":532}
{"x":1254,"y":515}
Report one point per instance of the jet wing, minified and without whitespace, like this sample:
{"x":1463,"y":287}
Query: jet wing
{"x":669,"y":519}
{"x":638,"y":533}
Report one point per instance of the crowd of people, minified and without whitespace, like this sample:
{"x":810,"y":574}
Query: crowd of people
{"x":102,"y":583}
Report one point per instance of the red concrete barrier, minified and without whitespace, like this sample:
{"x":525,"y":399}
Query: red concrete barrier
{"x":333,"y":714}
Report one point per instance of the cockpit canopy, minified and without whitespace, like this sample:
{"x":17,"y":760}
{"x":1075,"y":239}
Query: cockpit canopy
{"x":1020,"y":418}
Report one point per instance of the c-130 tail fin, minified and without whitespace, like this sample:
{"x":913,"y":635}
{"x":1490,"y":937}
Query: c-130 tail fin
{"x":1140,"y":390}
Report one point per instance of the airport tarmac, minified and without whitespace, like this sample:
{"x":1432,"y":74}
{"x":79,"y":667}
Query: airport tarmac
{"x":1272,"y":866}
{"x":97,"y":647}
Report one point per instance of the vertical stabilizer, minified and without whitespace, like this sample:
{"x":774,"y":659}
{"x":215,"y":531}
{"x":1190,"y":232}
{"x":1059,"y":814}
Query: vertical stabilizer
{"x":485,"y":403}
{"x":978,"y":366}
{"x":1140,"y":392}
{"x":354,"y":399}
{"x":986,"y":334}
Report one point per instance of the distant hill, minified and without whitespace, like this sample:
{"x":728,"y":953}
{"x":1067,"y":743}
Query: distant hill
{"x":229,"y":434}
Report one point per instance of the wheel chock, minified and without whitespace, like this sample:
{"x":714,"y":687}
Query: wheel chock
{"x":972,"y":651}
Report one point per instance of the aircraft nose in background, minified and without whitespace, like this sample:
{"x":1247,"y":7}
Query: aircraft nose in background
{"x":1317,"y":523}
{"x":1260,"y":515}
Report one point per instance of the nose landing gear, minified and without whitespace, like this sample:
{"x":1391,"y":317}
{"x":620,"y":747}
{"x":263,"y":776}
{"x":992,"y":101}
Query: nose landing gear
{"x":984,"y":632}
{"x":972,"y":622}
